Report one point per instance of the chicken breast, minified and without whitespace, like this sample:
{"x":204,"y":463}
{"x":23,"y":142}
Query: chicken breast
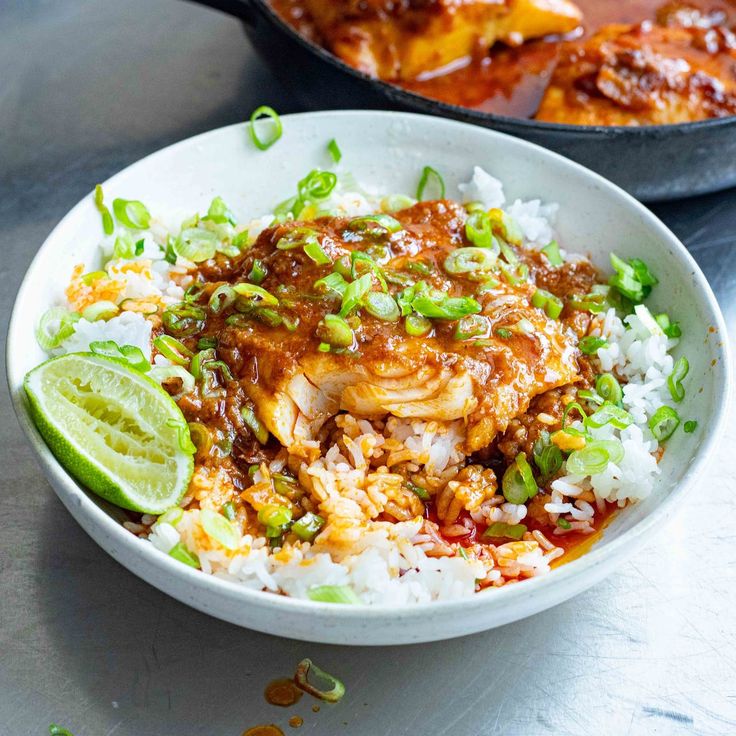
{"x":405,"y":40}
{"x":296,"y":386}
{"x":644,"y":75}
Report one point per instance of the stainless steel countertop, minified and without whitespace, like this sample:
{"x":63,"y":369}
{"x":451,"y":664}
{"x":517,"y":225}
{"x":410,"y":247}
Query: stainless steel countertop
{"x":89,"y":86}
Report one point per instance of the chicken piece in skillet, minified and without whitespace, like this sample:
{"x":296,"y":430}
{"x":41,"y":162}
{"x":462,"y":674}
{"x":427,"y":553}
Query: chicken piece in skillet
{"x":645,"y":74}
{"x":405,"y":39}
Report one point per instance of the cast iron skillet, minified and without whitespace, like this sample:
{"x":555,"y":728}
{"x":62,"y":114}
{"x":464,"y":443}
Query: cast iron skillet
{"x":653,"y":163}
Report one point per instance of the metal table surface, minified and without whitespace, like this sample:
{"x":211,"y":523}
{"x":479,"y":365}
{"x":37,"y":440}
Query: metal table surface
{"x":89,"y":86}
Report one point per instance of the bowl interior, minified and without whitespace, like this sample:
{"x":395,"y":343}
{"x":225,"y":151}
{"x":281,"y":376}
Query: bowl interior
{"x":387,"y":151}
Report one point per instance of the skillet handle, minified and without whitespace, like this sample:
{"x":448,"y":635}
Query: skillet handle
{"x":241,"y":9}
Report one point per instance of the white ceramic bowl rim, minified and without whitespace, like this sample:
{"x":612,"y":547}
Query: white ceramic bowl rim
{"x":504,"y":596}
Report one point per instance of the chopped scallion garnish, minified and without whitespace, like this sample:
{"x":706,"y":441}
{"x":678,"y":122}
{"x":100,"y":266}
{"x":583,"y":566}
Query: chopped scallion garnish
{"x":182,"y":554}
{"x":690,"y":426}
{"x":499,"y":530}
{"x":594,"y":457}
{"x":276,"y":131}
{"x":335,"y":690}
{"x":664,"y":422}
{"x":431,"y":175}
{"x":518,"y":484}
{"x":334,"y":594}
{"x":335,"y":331}
{"x":308,"y":526}
{"x":217,"y":527}
{"x":131,"y":213}
{"x":334,"y":150}
{"x":469,"y":260}
{"x":108,"y":226}
{"x":551,"y":304}
{"x":589,"y":345}
{"x":674,"y":380}
{"x":260,"y":432}
{"x":552,"y":251}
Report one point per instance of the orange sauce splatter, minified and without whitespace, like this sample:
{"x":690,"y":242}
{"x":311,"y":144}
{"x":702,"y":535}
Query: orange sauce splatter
{"x":282,"y":692}
{"x":315,"y":709}
{"x":269,"y":730}
{"x":296,"y":721}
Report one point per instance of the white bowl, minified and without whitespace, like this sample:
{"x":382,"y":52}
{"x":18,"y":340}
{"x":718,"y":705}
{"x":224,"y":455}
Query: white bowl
{"x":388,"y":150}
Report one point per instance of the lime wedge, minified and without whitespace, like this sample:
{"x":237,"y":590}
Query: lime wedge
{"x":114,"y":429}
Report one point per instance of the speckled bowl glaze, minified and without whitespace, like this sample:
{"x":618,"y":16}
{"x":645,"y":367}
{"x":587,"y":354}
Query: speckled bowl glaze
{"x":388,"y":150}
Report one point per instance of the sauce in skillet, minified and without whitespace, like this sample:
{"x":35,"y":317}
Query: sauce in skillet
{"x":512,"y":81}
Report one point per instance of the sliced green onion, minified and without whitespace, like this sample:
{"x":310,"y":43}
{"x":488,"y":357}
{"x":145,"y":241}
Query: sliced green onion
{"x":276,"y":132}
{"x":551,"y":304}
{"x":334,"y":594}
{"x":674,"y":380}
{"x":515,"y":276}
{"x":633,"y":280}
{"x":124,"y":247}
{"x":254,"y":292}
{"x":419,"y":267}
{"x":255,"y":424}
{"x":573,"y":406}
{"x":591,"y":396}
{"x":102,"y":310}
{"x":552,"y":251}
{"x":664,"y":422}
{"x":479,"y":231}
{"x":205,"y":343}
{"x":421,"y":493}
{"x":108,"y":226}
{"x":274,"y":517}
{"x":334,"y":150}
{"x":469,"y":260}
{"x":382,"y":306}
{"x":335,"y":331}
{"x":416,"y":325}
{"x":504,"y":333}
{"x":171,"y":516}
{"x":376,"y":225}
{"x":164,"y":373}
{"x":333,"y":282}
{"x":609,"y":389}
{"x":182,"y":554}
{"x":217,"y":527}
{"x":594,"y":457}
{"x":316,"y":185}
{"x":647,"y":320}
{"x":219,"y":213}
{"x":228,"y":511}
{"x":499,"y":530}
{"x":258,"y":272}
{"x":182,"y":433}
{"x":173,"y":349}
{"x":55,"y":326}
{"x":440,"y":306}
{"x":430,"y":175}
{"x":564,"y":523}
{"x":92,"y":276}
{"x":508,"y":227}
{"x":196,"y":244}
{"x":184,"y":319}
{"x":336,"y":689}
{"x":129,"y":354}
{"x":690,"y":426}
{"x":671,"y":329}
{"x":595,"y":302}
{"x":201,"y":437}
{"x":358,"y":258}
{"x":308,"y":526}
{"x":131,"y":213}
{"x":472,"y":326}
{"x":590,"y":344}
{"x":317,"y":254}
{"x":194,"y":291}
{"x":298,"y":237}
{"x":609,"y":414}
{"x":354,"y":293}
{"x":518,"y":484}
{"x":547,"y":456}
{"x":222,"y":298}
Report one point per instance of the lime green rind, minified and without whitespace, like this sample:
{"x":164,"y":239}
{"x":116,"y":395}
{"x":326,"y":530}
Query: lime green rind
{"x":139,"y":466}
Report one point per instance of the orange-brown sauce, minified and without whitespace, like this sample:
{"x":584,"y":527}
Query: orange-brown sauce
{"x":282,"y":692}
{"x":266,"y":730}
{"x":512,"y":81}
